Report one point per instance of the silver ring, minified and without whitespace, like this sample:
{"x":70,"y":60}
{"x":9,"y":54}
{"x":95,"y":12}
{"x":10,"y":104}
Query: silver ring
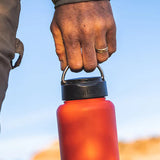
{"x":103,"y":50}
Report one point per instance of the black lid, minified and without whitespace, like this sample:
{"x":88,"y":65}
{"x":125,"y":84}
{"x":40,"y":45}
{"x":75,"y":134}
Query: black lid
{"x":83,"y":88}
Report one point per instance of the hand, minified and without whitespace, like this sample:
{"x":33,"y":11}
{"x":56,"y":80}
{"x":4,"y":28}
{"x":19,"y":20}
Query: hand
{"x":78,"y":29}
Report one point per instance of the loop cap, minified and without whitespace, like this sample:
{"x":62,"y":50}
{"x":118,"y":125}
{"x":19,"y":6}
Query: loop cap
{"x":83,"y":88}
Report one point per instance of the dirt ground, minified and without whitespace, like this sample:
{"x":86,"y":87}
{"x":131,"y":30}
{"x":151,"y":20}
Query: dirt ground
{"x":145,"y":149}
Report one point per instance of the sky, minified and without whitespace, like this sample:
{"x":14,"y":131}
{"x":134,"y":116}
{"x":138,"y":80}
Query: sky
{"x":28,"y":117}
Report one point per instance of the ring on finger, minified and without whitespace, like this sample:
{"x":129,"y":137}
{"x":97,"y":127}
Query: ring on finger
{"x":103,"y":50}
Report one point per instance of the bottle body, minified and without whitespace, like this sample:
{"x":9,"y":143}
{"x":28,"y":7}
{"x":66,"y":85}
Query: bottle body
{"x":87,"y":130}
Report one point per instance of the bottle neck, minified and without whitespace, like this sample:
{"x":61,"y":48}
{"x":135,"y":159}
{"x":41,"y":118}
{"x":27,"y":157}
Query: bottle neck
{"x":85,"y":100}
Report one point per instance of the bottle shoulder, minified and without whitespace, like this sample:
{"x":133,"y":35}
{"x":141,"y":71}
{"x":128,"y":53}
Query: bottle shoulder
{"x":86,"y":103}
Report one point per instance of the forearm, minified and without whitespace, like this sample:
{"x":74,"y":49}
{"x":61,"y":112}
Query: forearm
{"x":9,"y":17}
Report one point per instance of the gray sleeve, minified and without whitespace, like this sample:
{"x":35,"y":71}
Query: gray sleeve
{"x":64,"y":2}
{"x":9,"y":17}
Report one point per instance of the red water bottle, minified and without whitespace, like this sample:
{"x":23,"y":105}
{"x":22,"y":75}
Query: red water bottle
{"x":86,"y":121}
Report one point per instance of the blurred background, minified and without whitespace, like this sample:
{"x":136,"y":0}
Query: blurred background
{"x":28,"y":117}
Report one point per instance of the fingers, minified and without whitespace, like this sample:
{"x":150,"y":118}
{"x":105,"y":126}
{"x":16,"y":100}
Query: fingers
{"x":67,"y":48}
{"x":106,"y":40}
{"x":74,"y":55}
{"x":89,"y":56}
{"x":69,"y":43}
{"x":60,"y":49}
{"x":111,"y":40}
{"x":100,"y":44}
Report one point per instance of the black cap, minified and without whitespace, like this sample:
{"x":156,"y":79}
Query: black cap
{"x":84,"y":88}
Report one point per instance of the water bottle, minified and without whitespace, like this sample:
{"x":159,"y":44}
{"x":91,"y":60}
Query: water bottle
{"x":86,"y":121}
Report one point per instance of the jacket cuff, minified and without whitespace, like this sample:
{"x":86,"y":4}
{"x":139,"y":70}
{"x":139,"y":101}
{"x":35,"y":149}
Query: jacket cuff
{"x":63,"y":2}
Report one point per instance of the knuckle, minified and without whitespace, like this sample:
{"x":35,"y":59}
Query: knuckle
{"x":52,"y":26}
{"x":68,"y":28}
{"x":59,"y":49}
{"x":71,"y":41}
{"x":73,"y":44}
{"x":111,"y":24}
{"x":101,"y":24}
{"x":70,"y":37}
{"x":53,"y":29}
{"x":67,"y":32}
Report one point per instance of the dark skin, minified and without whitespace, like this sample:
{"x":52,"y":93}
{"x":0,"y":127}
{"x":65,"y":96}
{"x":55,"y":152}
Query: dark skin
{"x":78,"y":29}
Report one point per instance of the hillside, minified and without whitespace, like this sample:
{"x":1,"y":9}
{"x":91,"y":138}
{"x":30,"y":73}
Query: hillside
{"x":146,"y":149}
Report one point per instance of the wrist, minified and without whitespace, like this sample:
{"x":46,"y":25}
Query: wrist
{"x":63,"y":2}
